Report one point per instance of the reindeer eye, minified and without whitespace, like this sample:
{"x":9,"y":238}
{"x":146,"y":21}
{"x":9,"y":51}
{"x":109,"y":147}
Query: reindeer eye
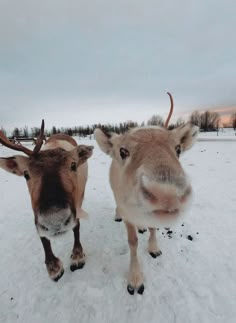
{"x":26,"y":175}
{"x":178,"y":150}
{"x":73,"y":167}
{"x":124,"y":153}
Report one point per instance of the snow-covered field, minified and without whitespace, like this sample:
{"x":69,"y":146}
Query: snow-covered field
{"x":193,"y":281}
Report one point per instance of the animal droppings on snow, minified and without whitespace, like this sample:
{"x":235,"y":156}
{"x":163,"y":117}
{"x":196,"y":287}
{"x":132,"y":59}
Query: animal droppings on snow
{"x":189,"y":237}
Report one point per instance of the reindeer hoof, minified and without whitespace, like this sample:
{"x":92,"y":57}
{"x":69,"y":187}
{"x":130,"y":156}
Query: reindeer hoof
{"x":55,"y":269}
{"x":74,"y":267}
{"x":130,"y":290}
{"x":155,"y":254}
{"x":55,"y":279}
{"x":77,"y":260}
{"x":118,"y":220}
{"x":140,"y":290}
{"x":142,"y":230}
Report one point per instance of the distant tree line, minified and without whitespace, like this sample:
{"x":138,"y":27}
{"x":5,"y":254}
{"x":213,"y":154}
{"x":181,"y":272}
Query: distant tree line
{"x":81,"y":131}
{"x":207,"y":121}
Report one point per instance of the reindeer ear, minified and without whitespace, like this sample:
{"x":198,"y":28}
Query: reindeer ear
{"x":15,"y":164}
{"x":103,"y":140}
{"x":186,"y":135}
{"x":84,"y":152}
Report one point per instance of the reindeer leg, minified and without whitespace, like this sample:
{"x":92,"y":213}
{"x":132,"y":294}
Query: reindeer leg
{"x":153,"y":249}
{"x":135,"y":278}
{"x":77,"y":256}
{"x":117,"y":215}
{"x":53,"y":264}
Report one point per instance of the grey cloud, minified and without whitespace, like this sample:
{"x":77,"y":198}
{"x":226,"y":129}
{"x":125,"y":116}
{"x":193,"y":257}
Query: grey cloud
{"x":127,"y":53}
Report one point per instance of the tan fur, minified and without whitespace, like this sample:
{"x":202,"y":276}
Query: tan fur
{"x":148,"y":182}
{"x":56,"y":177}
{"x":62,"y":137}
{"x":55,"y":158}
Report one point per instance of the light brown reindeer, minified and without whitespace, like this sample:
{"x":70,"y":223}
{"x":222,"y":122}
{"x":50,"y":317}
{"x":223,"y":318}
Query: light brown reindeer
{"x":56,"y":177}
{"x":149,"y":184}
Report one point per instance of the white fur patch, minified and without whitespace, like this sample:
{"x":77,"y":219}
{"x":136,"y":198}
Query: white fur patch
{"x":53,"y":224}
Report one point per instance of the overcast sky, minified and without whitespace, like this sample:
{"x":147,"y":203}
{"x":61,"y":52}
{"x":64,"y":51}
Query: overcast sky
{"x":76,"y":62}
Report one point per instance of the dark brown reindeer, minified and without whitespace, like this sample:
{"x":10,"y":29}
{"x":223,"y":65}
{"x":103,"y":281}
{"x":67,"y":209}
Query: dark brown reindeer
{"x":56,"y":176}
{"x":148,"y":182}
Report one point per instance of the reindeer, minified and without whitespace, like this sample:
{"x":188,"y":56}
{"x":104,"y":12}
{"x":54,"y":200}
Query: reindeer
{"x":56,"y":177}
{"x":148,"y":182}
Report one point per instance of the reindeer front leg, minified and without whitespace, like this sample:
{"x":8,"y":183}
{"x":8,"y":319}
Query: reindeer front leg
{"x":135,"y":278}
{"x":77,"y":256}
{"x":53,"y":264}
{"x":153,"y":249}
{"x":118,"y":218}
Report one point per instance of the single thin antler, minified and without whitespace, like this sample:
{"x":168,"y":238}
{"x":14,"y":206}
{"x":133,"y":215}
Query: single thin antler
{"x":171,"y":110}
{"x":6,"y":142}
{"x":39,"y":140}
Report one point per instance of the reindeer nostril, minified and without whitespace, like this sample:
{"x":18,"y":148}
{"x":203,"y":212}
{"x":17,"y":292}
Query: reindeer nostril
{"x":68,"y":220}
{"x":43,"y":227}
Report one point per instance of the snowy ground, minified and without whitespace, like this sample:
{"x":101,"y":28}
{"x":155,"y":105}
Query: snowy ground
{"x":192,"y":282}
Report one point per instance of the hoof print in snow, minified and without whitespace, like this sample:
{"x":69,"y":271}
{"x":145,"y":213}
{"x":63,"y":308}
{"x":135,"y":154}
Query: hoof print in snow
{"x":55,"y":279}
{"x":141,"y":289}
{"x":142,"y":230}
{"x":130,"y":290}
{"x":155,"y":254}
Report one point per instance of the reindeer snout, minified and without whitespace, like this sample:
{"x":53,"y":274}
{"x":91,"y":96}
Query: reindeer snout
{"x":166,"y":198}
{"x":55,"y":222}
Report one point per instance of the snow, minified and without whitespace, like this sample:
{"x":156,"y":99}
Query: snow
{"x":192,"y":281}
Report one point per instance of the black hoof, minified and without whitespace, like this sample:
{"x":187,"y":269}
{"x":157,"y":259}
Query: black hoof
{"x":142,"y":230}
{"x":75,"y":267}
{"x":130,"y":290}
{"x":155,"y":254}
{"x":141,"y":289}
{"x":118,"y":220}
{"x":58,"y":277}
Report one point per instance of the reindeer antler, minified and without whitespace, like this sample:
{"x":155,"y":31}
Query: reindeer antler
{"x":171,"y":110}
{"x":39,"y":140}
{"x":6,"y":142}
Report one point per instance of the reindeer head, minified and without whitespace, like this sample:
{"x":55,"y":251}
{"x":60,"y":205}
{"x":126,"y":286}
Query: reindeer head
{"x":147,"y":178}
{"x":55,"y":182}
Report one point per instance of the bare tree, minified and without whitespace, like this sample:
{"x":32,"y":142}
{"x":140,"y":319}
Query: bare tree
{"x":195,"y":118}
{"x":16,"y":132}
{"x":155,"y":120}
{"x":233,"y":120}
{"x":35,"y":131}
{"x":26,"y":132}
{"x":209,"y":121}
